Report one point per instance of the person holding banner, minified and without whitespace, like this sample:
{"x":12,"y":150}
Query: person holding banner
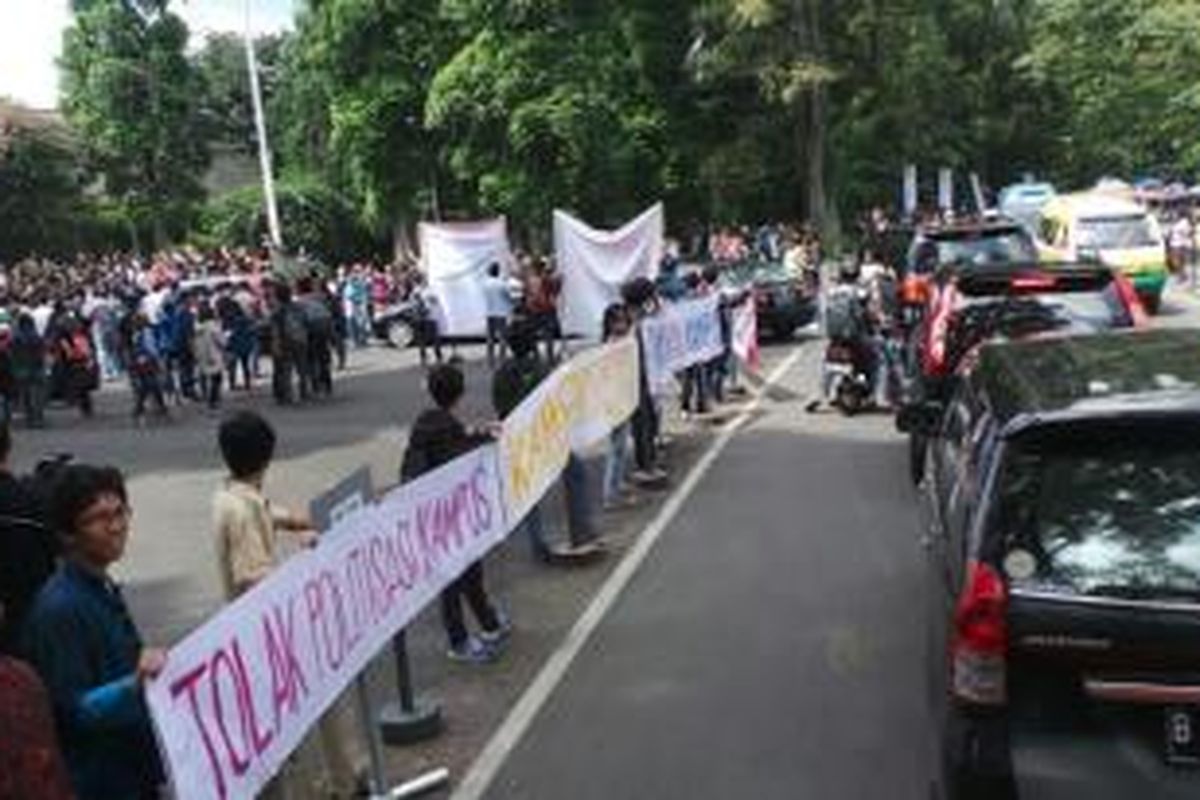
{"x":438,"y":437}
{"x":81,"y":639}
{"x":642,"y":301}
{"x":515,"y":380}
{"x":247,"y":531}
{"x":617,"y":325}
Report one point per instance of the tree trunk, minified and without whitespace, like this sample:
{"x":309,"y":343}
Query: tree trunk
{"x":402,"y":241}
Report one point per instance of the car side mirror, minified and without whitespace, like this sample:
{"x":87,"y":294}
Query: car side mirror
{"x":923,"y":419}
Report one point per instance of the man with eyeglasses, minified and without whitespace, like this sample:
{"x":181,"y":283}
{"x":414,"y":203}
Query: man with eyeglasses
{"x":80,"y":638}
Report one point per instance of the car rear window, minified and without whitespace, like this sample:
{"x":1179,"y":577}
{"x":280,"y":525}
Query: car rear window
{"x":1004,"y":248}
{"x":1115,"y":233}
{"x":1105,"y":514}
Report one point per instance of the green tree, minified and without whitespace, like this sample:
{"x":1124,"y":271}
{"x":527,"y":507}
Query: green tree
{"x":39,"y":194}
{"x":228,"y":114}
{"x":544,"y":106}
{"x":315,"y":219}
{"x":1123,"y":74}
{"x":130,"y":93}
{"x":357,"y":101}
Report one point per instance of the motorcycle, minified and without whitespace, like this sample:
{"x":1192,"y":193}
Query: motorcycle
{"x":848,"y":377}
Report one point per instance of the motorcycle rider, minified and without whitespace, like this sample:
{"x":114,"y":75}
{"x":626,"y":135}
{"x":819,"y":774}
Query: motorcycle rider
{"x":850,"y":324}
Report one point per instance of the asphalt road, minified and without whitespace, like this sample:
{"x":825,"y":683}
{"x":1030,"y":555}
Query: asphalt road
{"x":770,"y":646}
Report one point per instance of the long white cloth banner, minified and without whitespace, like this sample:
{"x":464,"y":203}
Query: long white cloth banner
{"x":595,"y":263}
{"x":240,"y":692}
{"x":572,"y":409}
{"x":680,"y":335}
{"x":456,"y":258}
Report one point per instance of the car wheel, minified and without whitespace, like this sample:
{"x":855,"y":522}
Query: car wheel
{"x":400,"y":334}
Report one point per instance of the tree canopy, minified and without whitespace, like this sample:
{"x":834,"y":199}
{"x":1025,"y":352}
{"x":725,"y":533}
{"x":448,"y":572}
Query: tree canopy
{"x":729,"y":110}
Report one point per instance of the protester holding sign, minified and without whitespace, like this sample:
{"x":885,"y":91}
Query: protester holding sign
{"x":439,"y":437}
{"x":642,"y":301}
{"x":515,"y":380}
{"x":247,"y":530}
{"x":80,"y":638}
{"x":617,"y":325}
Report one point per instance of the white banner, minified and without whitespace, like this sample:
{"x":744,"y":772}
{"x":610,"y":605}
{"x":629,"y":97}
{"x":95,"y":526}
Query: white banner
{"x":594,"y":264}
{"x":572,"y":409}
{"x":240,"y":692}
{"x":680,"y":335}
{"x":745,"y":333}
{"x":456,"y":258}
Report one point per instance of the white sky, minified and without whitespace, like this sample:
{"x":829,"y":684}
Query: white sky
{"x":31,"y":37}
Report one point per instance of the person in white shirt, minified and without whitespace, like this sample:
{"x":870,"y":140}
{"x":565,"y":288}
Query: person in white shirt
{"x":1181,"y":242}
{"x":499,"y":311}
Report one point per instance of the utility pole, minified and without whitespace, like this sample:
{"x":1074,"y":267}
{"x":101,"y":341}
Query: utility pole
{"x":264,"y":149}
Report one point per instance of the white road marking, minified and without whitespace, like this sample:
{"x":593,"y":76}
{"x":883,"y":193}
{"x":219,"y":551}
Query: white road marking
{"x":485,"y":768}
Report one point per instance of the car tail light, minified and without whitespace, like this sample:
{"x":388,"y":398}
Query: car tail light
{"x":1033,"y":283}
{"x":914,"y":291}
{"x":1129,"y":296}
{"x":979,"y":647}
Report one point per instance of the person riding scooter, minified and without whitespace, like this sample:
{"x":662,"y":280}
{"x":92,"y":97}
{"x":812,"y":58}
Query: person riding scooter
{"x":854,"y":368}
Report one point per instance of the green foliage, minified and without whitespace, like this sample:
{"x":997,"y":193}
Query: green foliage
{"x":543,"y":107}
{"x":227,"y":112}
{"x":39,"y":195}
{"x":729,"y":110}
{"x":1123,"y":72}
{"x":357,"y":101}
{"x":130,"y":94}
{"x":316,"y":220}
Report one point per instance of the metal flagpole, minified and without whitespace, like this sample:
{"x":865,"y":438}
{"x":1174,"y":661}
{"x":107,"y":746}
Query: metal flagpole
{"x":264,"y":149}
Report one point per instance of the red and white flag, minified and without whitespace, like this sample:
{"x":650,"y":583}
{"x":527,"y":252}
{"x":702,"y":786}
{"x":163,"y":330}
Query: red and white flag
{"x":745,"y":334}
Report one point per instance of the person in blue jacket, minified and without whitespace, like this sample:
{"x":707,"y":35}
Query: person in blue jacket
{"x":80,"y":638}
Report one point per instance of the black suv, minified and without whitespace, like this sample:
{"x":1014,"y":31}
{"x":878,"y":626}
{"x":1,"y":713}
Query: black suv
{"x":1009,"y":302}
{"x":1062,"y":500}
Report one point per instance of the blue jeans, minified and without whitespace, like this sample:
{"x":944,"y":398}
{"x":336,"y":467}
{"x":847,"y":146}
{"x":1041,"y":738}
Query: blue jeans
{"x":615,"y":462}
{"x":580,"y":526}
{"x":532,"y":525}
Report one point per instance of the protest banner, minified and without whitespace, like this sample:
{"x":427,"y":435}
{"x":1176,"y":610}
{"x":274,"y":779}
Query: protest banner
{"x":456,"y":257}
{"x":238,"y":694}
{"x":680,"y":335}
{"x":594,"y":264}
{"x":572,"y":409}
{"x":745,"y":334}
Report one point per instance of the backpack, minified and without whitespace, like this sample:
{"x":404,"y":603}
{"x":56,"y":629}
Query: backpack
{"x":844,"y":316}
{"x":317,"y":317}
{"x":295,"y":329}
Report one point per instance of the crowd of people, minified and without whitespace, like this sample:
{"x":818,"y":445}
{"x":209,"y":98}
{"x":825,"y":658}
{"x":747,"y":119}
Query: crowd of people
{"x":73,"y":662}
{"x":179,"y":327}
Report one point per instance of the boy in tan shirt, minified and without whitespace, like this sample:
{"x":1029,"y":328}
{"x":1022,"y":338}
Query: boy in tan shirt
{"x":247,"y":529}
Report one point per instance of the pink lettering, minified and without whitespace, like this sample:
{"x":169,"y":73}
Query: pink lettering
{"x":187,"y":683}
{"x":250,"y":728}
{"x":240,"y":761}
